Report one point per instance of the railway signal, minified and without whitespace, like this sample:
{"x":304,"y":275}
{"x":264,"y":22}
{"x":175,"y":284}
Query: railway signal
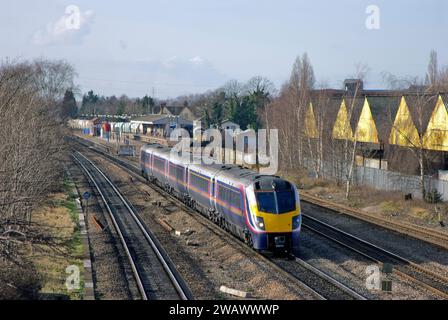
{"x":86,"y":196}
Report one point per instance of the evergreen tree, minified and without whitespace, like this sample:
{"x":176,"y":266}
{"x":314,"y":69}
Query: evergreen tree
{"x":69,"y":109}
{"x":89,"y":102}
{"x":120,"y":108}
{"x":245,"y":113}
{"x":217,"y":113}
{"x":148,"y":104}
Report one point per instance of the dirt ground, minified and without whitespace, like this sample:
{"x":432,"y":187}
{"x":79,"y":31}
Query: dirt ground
{"x":59,"y":218}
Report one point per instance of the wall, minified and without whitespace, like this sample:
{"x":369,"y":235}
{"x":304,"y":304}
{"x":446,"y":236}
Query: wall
{"x":390,"y":181}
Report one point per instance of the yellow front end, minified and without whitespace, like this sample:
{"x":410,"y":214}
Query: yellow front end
{"x":276,"y":222}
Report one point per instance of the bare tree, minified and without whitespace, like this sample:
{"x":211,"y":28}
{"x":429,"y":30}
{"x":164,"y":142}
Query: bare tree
{"x":432,"y":75}
{"x":281,"y":115}
{"x":301,"y":84}
{"x":31,"y":152}
{"x":436,"y":79}
{"x":232,"y":88}
{"x":321,"y":141}
{"x":443,"y":79}
{"x":350,"y":145}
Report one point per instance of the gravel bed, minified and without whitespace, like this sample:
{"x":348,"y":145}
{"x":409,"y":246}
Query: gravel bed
{"x":111,"y":270}
{"x":425,"y":254}
{"x":350,"y":269}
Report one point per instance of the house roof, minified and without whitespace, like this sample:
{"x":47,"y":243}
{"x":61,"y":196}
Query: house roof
{"x":421,"y":107}
{"x":161,"y":119}
{"x":228,"y":122}
{"x":174,"y":110}
{"x":384,"y":110}
{"x":150,"y":118}
{"x":326,"y":108}
{"x":357,"y":104}
{"x":445,"y":98}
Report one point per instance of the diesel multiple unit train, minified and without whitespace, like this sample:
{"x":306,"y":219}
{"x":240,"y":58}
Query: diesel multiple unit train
{"x":262,"y":210}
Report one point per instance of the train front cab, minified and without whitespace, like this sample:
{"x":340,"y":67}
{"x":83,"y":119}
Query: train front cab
{"x":274,"y":215}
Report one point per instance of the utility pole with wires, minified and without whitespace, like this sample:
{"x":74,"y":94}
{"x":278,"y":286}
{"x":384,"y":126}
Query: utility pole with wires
{"x":153,"y":97}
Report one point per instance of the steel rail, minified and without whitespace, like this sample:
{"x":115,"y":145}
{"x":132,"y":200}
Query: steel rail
{"x":412,"y":271}
{"x":135,"y":170}
{"x":167,"y":265}
{"x":135,"y":272}
{"x":417,"y":232}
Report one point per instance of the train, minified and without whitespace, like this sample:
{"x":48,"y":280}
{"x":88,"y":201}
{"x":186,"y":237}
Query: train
{"x":262,"y":210}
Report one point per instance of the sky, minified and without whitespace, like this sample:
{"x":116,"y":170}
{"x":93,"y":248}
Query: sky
{"x":175,"y":47}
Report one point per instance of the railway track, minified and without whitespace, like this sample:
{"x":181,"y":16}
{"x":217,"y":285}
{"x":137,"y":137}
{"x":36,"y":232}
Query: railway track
{"x":427,"y":279}
{"x":325,"y":286}
{"x":154,"y":273}
{"x":317,"y":282}
{"x":418,"y":232}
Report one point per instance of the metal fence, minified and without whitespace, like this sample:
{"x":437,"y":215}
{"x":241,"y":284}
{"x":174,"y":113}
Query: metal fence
{"x":386,"y":180}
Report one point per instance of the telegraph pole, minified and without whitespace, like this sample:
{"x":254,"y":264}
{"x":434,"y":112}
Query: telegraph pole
{"x":153,"y":97}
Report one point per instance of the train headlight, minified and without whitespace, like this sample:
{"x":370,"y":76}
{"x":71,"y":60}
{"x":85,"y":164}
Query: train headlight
{"x":260,"y":223}
{"x":296,"y":221}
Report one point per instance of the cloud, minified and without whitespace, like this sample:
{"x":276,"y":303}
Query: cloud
{"x":71,"y":28}
{"x":197,"y":60}
{"x":175,"y":62}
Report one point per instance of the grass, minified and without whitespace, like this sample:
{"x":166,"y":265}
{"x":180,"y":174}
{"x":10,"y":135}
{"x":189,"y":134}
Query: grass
{"x":424,"y":214}
{"x":221,"y":296}
{"x":390,"y":207}
{"x":61,"y":215}
{"x":354,"y":202}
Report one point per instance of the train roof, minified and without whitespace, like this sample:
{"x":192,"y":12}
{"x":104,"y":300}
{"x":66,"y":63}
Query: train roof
{"x":228,"y":173}
{"x":248,"y":177}
{"x":156,"y":149}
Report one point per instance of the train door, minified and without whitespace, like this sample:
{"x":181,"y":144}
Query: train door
{"x":150,"y":164}
{"x":166,"y":171}
{"x":213,"y":193}
{"x":143,"y":161}
{"x":185,"y":179}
